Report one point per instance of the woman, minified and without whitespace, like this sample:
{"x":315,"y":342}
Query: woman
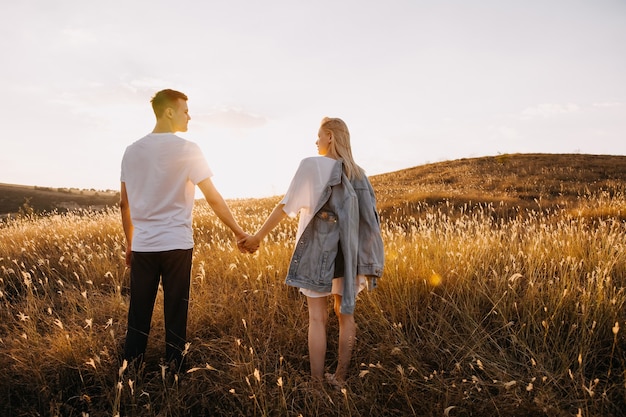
{"x":339,"y":249}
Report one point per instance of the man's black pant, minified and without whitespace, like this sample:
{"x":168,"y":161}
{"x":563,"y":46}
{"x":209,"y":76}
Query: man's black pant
{"x":173,"y":269}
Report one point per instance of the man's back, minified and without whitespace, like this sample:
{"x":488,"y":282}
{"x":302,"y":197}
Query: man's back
{"x":160,"y":172}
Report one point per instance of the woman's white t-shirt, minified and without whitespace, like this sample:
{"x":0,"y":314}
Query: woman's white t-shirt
{"x":306,"y":189}
{"x":160,"y":172}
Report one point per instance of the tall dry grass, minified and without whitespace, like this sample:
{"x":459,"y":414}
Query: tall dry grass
{"x":476,"y":315}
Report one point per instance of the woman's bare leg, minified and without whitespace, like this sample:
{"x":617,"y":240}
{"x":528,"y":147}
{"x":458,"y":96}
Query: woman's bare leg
{"x":318,"y":317}
{"x":347,"y":336}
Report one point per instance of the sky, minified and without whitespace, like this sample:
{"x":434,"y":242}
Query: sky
{"x":416,"y":81}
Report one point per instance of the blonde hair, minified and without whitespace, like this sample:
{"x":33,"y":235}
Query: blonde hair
{"x":340,"y":145}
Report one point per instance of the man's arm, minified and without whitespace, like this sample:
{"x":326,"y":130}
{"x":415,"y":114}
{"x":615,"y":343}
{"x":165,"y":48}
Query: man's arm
{"x":127,"y":223}
{"x":221,"y":209}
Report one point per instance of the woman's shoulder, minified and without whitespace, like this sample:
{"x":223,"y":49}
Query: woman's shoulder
{"x":318,"y":161}
{"x":317,"y":165}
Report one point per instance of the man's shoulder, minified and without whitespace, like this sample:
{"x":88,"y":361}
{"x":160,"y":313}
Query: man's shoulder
{"x":139,"y":142}
{"x":154,"y":139}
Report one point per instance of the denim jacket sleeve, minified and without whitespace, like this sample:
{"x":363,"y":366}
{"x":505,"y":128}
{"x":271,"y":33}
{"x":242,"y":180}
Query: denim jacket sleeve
{"x":371,"y":254}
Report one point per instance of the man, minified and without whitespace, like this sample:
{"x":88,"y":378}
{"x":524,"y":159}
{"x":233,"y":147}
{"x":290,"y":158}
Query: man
{"x":159,"y":174}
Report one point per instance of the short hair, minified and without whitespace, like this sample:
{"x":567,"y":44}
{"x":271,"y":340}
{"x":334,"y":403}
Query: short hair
{"x":164,"y":99}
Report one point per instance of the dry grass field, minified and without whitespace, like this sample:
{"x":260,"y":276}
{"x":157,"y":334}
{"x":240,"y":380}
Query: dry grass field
{"x":504,"y":294}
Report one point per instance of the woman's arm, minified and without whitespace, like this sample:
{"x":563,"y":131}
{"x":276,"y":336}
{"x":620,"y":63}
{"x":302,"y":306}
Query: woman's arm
{"x":252,"y":243}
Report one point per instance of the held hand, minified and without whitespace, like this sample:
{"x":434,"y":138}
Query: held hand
{"x":241,"y":237}
{"x":249,"y":245}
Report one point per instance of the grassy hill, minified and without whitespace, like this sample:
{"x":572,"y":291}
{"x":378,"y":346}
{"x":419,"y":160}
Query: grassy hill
{"x":45,"y":199}
{"x":512,"y":182}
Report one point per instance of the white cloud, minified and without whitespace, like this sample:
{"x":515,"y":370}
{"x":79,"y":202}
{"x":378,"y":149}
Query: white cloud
{"x":548,"y":110}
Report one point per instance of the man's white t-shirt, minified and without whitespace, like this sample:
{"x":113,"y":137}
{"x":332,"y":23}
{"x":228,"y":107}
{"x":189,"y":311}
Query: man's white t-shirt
{"x":161,"y":172}
{"x":306,"y":189}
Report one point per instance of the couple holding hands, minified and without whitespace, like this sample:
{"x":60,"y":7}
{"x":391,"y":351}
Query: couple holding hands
{"x":339,"y":249}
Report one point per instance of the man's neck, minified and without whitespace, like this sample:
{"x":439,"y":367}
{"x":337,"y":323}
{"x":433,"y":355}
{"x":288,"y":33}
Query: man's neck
{"x":163,"y":127}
